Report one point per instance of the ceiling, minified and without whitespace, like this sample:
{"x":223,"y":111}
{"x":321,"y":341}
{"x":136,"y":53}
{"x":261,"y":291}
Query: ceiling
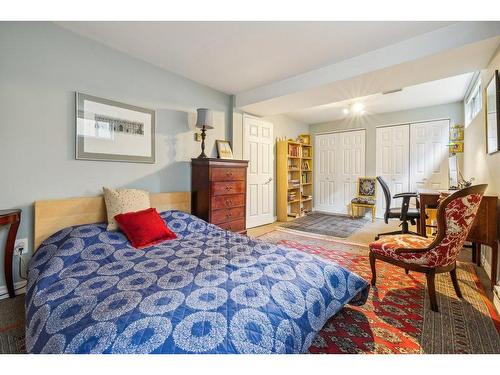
{"x":437,"y":92}
{"x":310,"y":70}
{"x":238,"y":56}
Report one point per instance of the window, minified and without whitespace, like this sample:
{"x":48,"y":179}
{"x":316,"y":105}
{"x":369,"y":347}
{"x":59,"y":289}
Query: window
{"x":473,"y":101}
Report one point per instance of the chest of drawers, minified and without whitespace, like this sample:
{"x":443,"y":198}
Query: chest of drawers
{"x":218,"y":192}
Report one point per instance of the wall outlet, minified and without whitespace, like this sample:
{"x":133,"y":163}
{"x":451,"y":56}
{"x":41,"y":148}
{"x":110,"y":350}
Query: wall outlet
{"x":21,"y":245}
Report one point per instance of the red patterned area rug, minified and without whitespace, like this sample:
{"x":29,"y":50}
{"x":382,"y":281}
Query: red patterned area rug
{"x":397,"y":316}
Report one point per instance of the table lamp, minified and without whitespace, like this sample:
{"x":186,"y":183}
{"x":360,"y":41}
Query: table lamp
{"x":204,"y":121}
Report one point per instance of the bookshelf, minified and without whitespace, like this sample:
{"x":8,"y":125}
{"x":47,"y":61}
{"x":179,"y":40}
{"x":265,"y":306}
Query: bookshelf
{"x":294,"y":169}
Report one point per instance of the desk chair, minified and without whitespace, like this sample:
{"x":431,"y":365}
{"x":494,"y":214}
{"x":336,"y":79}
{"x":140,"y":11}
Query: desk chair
{"x":367,"y":191}
{"x":403,"y":213}
{"x":455,"y":216}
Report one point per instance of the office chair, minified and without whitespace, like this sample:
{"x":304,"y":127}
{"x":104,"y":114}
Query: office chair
{"x":403,"y":213}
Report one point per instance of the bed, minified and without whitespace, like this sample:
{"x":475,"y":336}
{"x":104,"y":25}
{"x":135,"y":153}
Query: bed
{"x":208,"y":291}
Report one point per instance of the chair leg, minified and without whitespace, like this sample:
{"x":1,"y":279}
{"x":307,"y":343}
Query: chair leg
{"x":454,"y":280}
{"x":373,"y":214}
{"x":431,"y":287}
{"x":372,"y":266}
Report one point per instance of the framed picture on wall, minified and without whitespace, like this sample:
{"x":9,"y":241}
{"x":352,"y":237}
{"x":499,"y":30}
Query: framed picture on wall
{"x":113,"y":131}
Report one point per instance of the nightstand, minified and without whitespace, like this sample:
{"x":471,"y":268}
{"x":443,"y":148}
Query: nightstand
{"x":12,"y":217}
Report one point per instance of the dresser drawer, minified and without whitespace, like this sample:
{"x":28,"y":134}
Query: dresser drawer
{"x":227,"y":174}
{"x":235,"y":226}
{"x":228,"y":201}
{"x":223,"y":188}
{"x":228,"y":214}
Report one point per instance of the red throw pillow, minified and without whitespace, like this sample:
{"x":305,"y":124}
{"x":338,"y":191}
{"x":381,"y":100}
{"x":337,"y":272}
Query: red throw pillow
{"x":144,"y":228}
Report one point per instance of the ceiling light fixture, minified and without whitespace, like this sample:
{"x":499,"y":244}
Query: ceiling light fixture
{"x":358,"y":107}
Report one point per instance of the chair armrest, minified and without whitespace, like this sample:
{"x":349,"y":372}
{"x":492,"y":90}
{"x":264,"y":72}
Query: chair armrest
{"x":404,"y":195}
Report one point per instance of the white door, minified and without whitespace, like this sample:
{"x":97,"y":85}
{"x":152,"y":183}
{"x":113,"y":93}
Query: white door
{"x":326,"y":154}
{"x":258,"y":150}
{"x":339,"y":161}
{"x":429,"y":155}
{"x":393,"y":162}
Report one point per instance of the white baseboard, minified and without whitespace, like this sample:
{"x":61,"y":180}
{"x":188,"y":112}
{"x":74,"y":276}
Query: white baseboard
{"x":19,"y":287}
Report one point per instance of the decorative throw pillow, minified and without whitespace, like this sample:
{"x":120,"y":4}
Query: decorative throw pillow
{"x":144,"y":228}
{"x":122,"y":201}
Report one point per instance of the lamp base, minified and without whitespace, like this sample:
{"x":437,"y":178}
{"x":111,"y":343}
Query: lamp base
{"x":203,"y":135}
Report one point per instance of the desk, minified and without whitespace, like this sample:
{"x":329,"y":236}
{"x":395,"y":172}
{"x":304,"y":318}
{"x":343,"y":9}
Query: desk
{"x":13,"y":218}
{"x":484,"y":231}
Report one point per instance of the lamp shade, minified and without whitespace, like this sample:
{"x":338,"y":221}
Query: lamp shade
{"x":204,"y":118}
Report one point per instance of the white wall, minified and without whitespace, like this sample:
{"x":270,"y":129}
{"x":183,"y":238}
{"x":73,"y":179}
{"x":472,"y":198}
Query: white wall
{"x":41,"y":66}
{"x":477,"y":163}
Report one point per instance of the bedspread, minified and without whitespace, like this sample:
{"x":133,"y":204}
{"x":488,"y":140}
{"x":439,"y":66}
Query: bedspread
{"x":208,"y":291}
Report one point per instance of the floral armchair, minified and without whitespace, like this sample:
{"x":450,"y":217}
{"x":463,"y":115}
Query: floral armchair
{"x":455,"y":216}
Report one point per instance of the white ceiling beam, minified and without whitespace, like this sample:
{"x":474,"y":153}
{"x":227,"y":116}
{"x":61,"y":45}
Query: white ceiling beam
{"x":316,"y":87}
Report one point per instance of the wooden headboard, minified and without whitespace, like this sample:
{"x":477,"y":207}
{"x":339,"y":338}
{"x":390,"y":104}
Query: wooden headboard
{"x":54,"y":215}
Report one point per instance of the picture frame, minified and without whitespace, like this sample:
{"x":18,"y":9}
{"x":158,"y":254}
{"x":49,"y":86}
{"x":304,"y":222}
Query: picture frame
{"x":492,"y":111}
{"x":456,"y":133}
{"x":107,"y":130}
{"x":224,"y":150}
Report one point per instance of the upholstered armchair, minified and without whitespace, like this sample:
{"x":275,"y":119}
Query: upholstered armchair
{"x":455,"y":216}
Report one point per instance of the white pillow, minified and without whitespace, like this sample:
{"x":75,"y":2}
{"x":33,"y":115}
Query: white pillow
{"x":122,"y":201}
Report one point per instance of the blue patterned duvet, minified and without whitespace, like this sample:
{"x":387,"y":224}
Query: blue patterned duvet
{"x":209,"y":291}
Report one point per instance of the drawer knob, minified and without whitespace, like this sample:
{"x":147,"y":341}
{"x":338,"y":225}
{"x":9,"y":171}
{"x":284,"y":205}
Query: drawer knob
{"x":228,"y":187}
{"x":229,"y":173}
{"x":229,"y":203}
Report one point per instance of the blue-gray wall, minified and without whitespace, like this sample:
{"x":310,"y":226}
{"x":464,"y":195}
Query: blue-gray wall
{"x":41,"y":66}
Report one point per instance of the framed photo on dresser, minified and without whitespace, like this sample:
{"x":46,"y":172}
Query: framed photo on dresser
{"x":224,"y":150}
{"x":112,"y":131}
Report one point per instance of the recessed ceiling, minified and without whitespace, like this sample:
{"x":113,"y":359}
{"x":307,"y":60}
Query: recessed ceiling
{"x":238,"y":56}
{"x":437,"y":92}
